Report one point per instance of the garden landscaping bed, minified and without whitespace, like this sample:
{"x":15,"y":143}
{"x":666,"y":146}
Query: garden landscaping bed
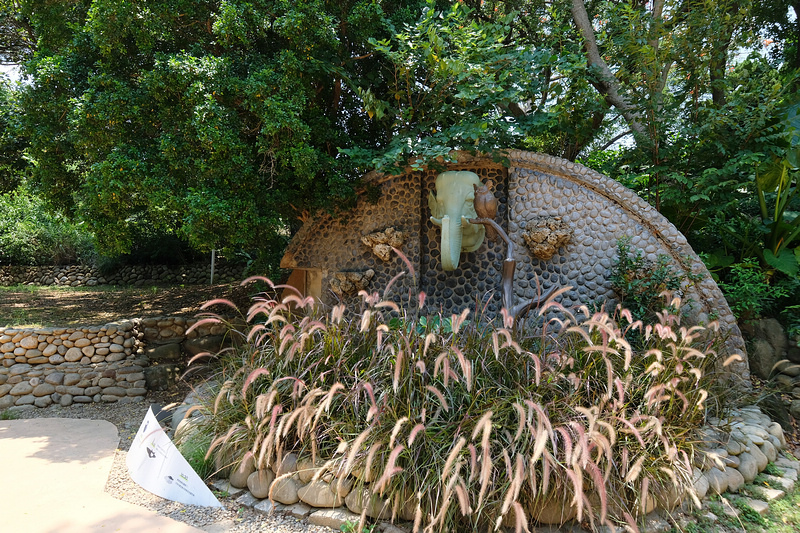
{"x":237,"y":516}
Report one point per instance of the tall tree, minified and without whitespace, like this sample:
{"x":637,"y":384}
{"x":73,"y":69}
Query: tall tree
{"x":225,"y":119}
{"x":778,"y":23}
{"x":17,"y":36}
{"x":12,"y":145}
{"x":215,"y":118}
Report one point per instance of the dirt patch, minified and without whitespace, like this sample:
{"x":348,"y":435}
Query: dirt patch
{"x":57,"y":306}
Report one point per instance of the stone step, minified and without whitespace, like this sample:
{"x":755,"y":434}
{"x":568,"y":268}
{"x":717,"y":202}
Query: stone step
{"x":267,"y":507}
{"x":788,"y":473}
{"x":333,"y":518}
{"x":783,"y":462}
{"x":299,"y":510}
{"x":758,"y":506}
{"x":224,"y":486}
{"x":765,"y":493}
{"x":247,"y":499}
{"x":777,"y":482}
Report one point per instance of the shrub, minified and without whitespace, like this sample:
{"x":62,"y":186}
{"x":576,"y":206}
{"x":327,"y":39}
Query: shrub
{"x":194,"y":451}
{"x":749,"y":292}
{"x":791,"y":317}
{"x":31,"y":235}
{"x":639,"y":282}
{"x":482,"y":427}
{"x":5,"y":414}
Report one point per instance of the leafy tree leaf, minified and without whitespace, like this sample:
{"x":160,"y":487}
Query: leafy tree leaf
{"x":771,"y":174}
{"x":786,"y":261}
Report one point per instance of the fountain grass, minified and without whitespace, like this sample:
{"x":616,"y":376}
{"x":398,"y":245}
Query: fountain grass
{"x":459,"y":418}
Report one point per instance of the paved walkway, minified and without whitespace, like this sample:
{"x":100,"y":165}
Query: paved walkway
{"x":52,"y":476}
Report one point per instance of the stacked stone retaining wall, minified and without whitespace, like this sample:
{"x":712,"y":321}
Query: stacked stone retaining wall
{"x":117,"y":362}
{"x":168,"y":343}
{"x":78,"y":275}
{"x":69,"y":365}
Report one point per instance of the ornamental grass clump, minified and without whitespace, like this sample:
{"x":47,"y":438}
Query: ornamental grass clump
{"x":465,"y":427}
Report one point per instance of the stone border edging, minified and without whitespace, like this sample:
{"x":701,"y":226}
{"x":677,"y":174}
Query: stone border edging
{"x":730,"y":462}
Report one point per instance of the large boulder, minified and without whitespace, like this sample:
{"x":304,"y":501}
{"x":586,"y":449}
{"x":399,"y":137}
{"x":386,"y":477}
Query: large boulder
{"x":793,"y":351}
{"x":284,"y":490}
{"x":553,"y":510}
{"x":762,"y":358}
{"x":194,"y":399}
{"x":209,"y":343}
{"x":164,"y":353}
{"x":771,"y":331}
{"x":318,"y":493}
{"x":242,"y":471}
{"x":769,"y":345}
{"x":161,"y":377}
{"x":372,"y":505}
{"x":258,"y":483}
{"x":773,"y":406}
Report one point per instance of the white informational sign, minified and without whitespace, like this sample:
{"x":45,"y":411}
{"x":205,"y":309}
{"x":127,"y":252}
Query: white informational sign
{"x":156,"y":464}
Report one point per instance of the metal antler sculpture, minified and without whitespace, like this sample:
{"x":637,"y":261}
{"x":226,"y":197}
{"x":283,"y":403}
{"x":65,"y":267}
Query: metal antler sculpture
{"x":486,"y":209}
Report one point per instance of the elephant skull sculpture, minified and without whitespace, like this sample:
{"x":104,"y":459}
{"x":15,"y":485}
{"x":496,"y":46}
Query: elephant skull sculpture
{"x":451,"y":208}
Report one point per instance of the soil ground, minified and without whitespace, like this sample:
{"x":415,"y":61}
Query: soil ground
{"x":34,"y":306}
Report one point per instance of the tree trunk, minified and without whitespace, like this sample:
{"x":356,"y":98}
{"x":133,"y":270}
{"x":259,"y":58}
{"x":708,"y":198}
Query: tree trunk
{"x":796,"y":59}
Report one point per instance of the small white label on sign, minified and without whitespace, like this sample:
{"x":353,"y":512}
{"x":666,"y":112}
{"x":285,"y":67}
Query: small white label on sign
{"x":156,"y":464}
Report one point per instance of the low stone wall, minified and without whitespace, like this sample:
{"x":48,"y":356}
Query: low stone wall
{"x":166,"y":345}
{"x":70,"y":365}
{"x":117,"y":362}
{"x":734,"y":450}
{"x":77,"y":275}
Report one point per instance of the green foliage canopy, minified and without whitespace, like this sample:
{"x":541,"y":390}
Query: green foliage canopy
{"x":225,"y":120}
{"x":213,"y":118}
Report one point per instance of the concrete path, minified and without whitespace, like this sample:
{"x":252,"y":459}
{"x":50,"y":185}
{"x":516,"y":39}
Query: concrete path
{"x":52,"y":475}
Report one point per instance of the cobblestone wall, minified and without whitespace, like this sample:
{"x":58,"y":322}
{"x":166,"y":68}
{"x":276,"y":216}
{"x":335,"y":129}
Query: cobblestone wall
{"x":478,"y":274}
{"x":117,"y":362}
{"x":77,"y":275}
{"x":600,"y":211}
{"x":336,"y":242}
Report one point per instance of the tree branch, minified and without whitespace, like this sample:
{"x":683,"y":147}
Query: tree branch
{"x":607,"y":84}
{"x":614,"y":139}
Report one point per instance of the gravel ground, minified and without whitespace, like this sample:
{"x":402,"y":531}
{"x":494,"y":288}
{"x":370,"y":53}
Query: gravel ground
{"x":233,"y":518}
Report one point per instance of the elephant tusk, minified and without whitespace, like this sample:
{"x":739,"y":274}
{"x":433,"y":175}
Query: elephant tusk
{"x":451,"y":242}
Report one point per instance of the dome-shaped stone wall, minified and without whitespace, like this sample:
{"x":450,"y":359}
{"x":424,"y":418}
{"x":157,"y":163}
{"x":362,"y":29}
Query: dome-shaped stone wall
{"x":593,"y":210}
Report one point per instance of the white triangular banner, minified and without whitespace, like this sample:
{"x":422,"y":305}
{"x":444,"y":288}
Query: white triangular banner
{"x":158,"y":467}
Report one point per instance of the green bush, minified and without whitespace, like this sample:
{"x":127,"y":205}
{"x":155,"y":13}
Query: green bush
{"x":791,"y":317}
{"x":640,"y":283}
{"x":465,"y":426}
{"x":194,"y":451}
{"x":32,"y":235}
{"x":749,"y":292}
